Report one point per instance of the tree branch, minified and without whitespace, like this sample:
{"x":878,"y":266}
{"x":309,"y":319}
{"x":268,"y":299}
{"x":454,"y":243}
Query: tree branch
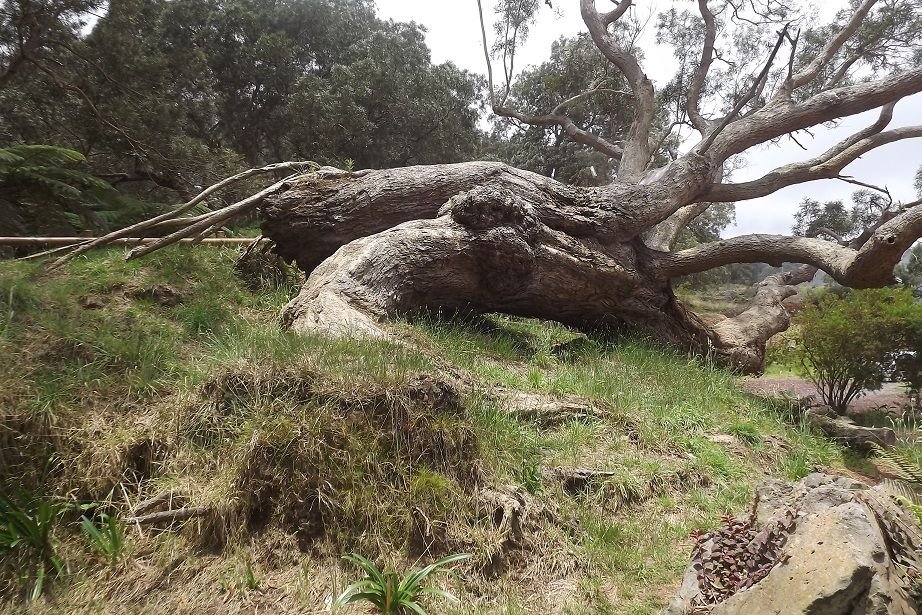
{"x":637,"y":144}
{"x":865,"y":266}
{"x":573,"y":131}
{"x":780,"y":117}
{"x":750,"y":94}
{"x":693,"y":103}
{"x":615,"y":14}
{"x":825,"y":166}
{"x":832,"y":47}
{"x":154,"y":222}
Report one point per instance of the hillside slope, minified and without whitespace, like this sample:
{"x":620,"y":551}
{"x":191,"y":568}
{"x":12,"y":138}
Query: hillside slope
{"x":121,"y":381}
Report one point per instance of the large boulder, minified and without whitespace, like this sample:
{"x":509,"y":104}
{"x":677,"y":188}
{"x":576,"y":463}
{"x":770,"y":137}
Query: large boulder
{"x":850,"y":551}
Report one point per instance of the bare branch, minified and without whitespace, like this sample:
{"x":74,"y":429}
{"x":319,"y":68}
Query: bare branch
{"x":486,"y":55}
{"x":146,"y":225}
{"x":664,"y":234}
{"x":851,"y":180}
{"x":693,"y":103}
{"x":637,"y":144}
{"x":858,"y":266}
{"x":615,"y":14}
{"x":780,"y":117}
{"x":598,"y":90}
{"x":573,"y":131}
{"x":825,"y":166}
{"x":753,"y":90}
{"x":832,"y":48}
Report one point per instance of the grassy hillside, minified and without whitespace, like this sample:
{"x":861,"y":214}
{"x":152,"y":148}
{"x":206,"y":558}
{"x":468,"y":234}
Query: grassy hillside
{"x":122,"y":380}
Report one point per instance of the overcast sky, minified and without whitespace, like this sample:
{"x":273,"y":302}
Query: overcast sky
{"x":453,"y":34}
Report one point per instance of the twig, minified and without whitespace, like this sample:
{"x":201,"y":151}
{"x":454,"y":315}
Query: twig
{"x":851,"y":180}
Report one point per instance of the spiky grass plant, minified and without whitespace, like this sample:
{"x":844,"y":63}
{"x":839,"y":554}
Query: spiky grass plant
{"x":107,"y":539}
{"x":26,"y":524}
{"x":394,"y":595}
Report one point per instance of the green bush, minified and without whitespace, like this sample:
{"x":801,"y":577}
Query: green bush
{"x":849,"y":344}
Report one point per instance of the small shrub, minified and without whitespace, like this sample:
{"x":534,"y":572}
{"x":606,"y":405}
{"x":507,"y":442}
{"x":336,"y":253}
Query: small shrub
{"x":389,"y":593}
{"x":846,"y":345}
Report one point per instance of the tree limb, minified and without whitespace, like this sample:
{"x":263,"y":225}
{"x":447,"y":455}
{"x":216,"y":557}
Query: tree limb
{"x":827,"y":165}
{"x":693,"y":102}
{"x":750,"y":94}
{"x":637,"y":144}
{"x":870,"y":265}
{"x":780,"y":117}
{"x":832,"y":47}
{"x":573,"y":131}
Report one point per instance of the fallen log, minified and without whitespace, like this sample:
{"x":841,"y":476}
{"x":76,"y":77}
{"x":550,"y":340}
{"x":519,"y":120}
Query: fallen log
{"x":846,"y":431}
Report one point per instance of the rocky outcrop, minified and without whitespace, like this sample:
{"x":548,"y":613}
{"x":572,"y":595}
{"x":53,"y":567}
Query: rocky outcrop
{"x":851,"y":551}
{"x":846,"y":431}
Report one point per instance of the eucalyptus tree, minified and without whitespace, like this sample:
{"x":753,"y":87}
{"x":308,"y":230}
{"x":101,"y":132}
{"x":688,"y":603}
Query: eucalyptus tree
{"x":488,"y":236}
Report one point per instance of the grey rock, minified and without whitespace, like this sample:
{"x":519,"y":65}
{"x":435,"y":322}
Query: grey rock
{"x":837,"y":558}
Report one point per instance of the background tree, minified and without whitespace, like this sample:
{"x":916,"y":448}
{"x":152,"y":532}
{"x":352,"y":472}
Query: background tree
{"x":848,"y":345}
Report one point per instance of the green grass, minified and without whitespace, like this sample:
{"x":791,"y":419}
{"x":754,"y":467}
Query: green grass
{"x":210,"y":398}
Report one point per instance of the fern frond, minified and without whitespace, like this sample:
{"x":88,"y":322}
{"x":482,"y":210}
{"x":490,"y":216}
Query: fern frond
{"x":902,"y":463}
{"x":73,"y":176}
{"x":34,"y":176}
{"x":8,"y":157}
{"x":46,"y":154}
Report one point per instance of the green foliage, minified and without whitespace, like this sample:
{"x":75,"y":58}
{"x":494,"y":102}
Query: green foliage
{"x":184,"y":93}
{"x":42,"y":183}
{"x":391,"y":594}
{"x":846,"y":344}
{"x":907,"y":463}
{"x":26,"y":525}
{"x":107,"y":538}
{"x":833,"y":220}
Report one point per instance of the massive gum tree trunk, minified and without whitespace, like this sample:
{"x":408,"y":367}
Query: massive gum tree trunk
{"x":479,"y":236}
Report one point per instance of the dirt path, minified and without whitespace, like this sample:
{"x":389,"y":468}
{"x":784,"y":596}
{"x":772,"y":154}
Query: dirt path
{"x":892,"y":395}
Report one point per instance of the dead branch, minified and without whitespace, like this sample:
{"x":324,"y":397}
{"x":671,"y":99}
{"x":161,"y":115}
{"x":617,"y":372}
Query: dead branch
{"x":216,"y":218}
{"x":749,"y":95}
{"x":169,"y":516}
{"x":147,"y":225}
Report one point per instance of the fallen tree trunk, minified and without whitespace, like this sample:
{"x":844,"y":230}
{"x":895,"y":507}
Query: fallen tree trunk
{"x":518,"y":245}
{"x":487,"y":237}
